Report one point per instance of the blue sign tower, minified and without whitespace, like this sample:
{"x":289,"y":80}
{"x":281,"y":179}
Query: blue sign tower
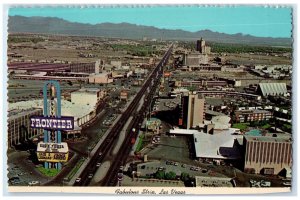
{"x":52,"y":108}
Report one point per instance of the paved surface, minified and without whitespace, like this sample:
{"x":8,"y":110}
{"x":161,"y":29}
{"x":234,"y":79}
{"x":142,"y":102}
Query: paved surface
{"x":213,"y":182}
{"x":166,"y":104}
{"x":121,"y":137}
{"x":127,"y":181}
{"x":169,"y":148}
{"x":20,"y":166}
{"x":101,"y":172}
{"x":152,"y":167}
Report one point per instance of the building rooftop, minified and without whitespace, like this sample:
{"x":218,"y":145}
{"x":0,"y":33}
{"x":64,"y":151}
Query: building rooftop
{"x":16,"y":113}
{"x":256,"y":111}
{"x":273,"y":88}
{"x":221,"y":145}
{"x":67,"y":108}
{"x":87,"y":90}
{"x":270,"y":138}
{"x":103,"y":74}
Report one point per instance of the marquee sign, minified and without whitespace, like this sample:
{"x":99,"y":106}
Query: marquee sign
{"x":52,"y":123}
{"x":52,"y":152}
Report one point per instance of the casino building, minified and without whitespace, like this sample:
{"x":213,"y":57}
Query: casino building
{"x":19,"y":128}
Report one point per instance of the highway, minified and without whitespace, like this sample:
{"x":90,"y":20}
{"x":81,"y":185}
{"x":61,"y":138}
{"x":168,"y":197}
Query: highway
{"x":148,"y":89}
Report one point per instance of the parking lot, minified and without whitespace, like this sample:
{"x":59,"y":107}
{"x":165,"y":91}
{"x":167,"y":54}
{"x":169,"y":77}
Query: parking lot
{"x":149,"y":168}
{"x":22,"y":171}
{"x":166,"y":104}
{"x":172,"y":148}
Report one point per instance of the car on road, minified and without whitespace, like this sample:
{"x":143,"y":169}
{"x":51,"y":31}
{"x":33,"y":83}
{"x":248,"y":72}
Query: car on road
{"x":100,"y":154}
{"x":32,"y":183}
{"x":120,"y":176}
{"x":78,"y":180}
{"x":98,"y":164}
{"x":90,"y":176}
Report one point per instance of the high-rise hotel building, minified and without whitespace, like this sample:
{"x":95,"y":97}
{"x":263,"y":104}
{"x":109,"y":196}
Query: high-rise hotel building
{"x":192,"y":110}
{"x":268,"y":154}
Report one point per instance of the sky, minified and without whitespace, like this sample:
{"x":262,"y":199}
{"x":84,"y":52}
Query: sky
{"x":252,"y":20}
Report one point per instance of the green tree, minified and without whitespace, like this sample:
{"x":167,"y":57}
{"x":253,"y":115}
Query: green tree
{"x":160,"y":175}
{"x":184,"y":176}
{"x":170,"y":175}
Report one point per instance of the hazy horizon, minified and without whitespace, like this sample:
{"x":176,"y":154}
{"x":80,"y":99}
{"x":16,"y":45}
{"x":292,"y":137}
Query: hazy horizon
{"x":247,"y":20}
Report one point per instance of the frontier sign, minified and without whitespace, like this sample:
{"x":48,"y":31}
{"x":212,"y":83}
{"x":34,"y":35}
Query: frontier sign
{"x":52,"y":123}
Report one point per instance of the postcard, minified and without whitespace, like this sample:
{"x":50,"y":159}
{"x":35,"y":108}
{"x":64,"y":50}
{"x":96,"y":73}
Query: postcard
{"x":150,"y":100}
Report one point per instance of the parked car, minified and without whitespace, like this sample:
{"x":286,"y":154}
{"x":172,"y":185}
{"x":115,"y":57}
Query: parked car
{"x":90,"y":176}
{"x":32,"y":183}
{"x":78,"y":180}
{"x":265,"y":183}
{"x":98,"y":164}
{"x":161,"y":168}
{"x":286,"y":183}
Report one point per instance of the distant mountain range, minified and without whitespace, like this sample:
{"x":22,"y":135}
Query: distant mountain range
{"x":52,"y":25}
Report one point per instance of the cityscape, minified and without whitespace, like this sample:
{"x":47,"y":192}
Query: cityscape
{"x":133,"y":105}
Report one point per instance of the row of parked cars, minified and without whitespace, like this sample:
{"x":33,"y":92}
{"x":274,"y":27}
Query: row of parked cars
{"x":155,"y":139}
{"x":192,"y":168}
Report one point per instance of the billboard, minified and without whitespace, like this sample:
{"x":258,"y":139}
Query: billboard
{"x":52,"y":123}
{"x":53,"y":152}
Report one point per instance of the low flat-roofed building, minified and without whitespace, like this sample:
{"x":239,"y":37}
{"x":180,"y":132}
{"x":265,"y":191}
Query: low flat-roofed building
{"x":194,"y":59}
{"x":19,"y":128}
{"x":270,"y":154}
{"x":82,"y":113}
{"x":205,"y":181}
{"x":124,"y":95}
{"x":87,"y":96}
{"x":221,"y":146}
{"x":252,"y":115}
{"x":153,"y":124}
{"x":100,"y":78}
